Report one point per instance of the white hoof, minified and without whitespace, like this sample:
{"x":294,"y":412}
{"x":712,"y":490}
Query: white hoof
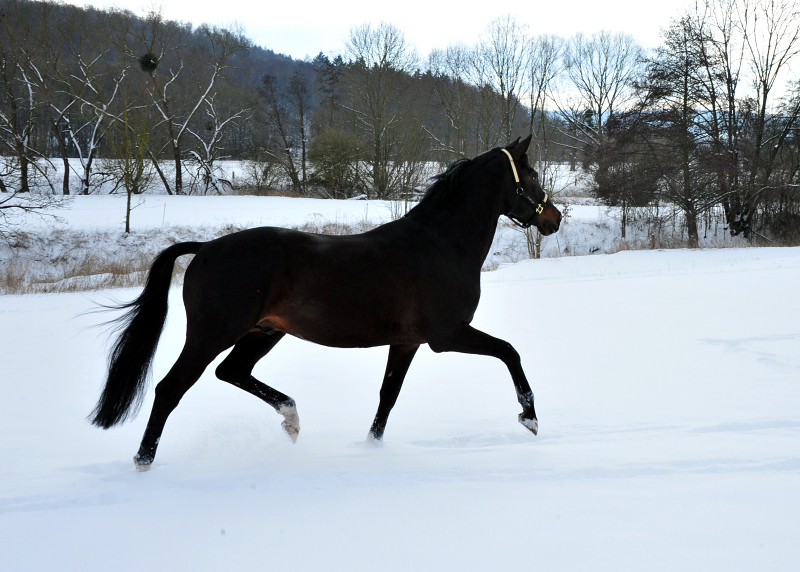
{"x":531,"y":424}
{"x":291,"y":422}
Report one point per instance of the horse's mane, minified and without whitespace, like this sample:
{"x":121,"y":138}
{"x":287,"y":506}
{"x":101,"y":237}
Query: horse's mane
{"x":445,"y":180}
{"x":443,"y":183}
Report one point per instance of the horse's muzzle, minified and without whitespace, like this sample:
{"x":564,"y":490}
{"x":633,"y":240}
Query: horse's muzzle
{"x":549,"y":222}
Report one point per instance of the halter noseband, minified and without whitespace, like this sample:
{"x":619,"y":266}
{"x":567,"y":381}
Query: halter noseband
{"x":538,"y":207}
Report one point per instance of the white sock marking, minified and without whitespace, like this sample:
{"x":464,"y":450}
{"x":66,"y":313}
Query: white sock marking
{"x":291,"y":422}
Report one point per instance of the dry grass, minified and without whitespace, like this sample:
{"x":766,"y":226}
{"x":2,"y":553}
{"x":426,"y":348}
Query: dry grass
{"x":265,"y":191}
{"x":90,"y":273}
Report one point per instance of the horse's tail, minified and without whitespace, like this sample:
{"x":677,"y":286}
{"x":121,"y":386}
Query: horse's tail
{"x":133,"y":352}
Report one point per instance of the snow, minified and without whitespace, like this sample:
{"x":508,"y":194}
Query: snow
{"x":669,"y":435}
{"x":94,"y":212}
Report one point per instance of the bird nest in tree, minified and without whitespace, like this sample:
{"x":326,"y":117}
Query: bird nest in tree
{"x":148,"y":62}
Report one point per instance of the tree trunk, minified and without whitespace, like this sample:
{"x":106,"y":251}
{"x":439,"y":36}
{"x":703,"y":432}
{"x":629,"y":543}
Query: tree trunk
{"x":128,"y":213}
{"x":62,"y":147}
{"x":691,"y":228}
{"x":176,"y":153}
{"x":160,"y":172}
{"x":87,"y":173}
{"x":65,"y":182}
{"x":624,"y":219}
{"x":23,"y":173}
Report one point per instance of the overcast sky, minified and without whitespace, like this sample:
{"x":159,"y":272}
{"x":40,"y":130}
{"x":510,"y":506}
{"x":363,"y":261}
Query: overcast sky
{"x":301,"y":29}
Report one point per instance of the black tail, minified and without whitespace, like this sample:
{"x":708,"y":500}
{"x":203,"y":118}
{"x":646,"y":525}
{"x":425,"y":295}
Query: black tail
{"x":129,"y":363}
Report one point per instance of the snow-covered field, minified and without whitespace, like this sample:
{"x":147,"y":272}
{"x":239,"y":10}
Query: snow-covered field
{"x":667,"y":386}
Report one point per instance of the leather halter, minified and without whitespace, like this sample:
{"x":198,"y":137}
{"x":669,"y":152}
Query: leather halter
{"x":538,"y":207}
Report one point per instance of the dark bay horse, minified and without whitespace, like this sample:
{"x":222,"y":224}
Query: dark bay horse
{"x":412,"y":281}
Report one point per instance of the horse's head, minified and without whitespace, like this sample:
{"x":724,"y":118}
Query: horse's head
{"x":526,"y":203}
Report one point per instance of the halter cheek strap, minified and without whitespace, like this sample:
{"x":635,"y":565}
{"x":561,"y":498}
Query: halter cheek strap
{"x":538,"y":207}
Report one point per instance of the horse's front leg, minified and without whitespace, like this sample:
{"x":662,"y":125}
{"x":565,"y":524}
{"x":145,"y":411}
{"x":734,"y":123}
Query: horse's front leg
{"x":468,"y":340}
{"x":400,"y":357}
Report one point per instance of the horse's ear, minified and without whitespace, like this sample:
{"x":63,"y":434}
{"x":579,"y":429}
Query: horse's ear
{"x":520,"y":147}
{"x":511,"y":146}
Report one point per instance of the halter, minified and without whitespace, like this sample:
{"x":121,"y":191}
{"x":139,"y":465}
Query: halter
{"x":538,"y":207}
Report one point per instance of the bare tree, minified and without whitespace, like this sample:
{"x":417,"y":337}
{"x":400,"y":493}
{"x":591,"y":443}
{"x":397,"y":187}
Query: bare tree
{"x":20,"y":104}
{"x":771,"y":30}
{"x":94,"y":78}
{"x":377,"y":79}
{"x":39,"y":59}
{"x":543,"y":63}
{"x":503,"y":57}
{"x":129,"y":156}
{"x":754,"y":40}
{"x":166,"y":55}
{"x":300,"y":94}
{"x":450,"y":69}
{"x":211,"y":145}
{"x":280,"y":145}
{"x":601,"y":70}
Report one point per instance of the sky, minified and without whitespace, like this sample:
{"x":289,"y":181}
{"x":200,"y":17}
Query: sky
{"x":301,"y":30}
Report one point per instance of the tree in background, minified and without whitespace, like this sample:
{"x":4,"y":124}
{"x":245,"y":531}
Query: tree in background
{"x":18,"y":113}
{"x":674,"y":101}
{"x":502,"y":58}
{"x":336,"y":156}
{"x":601,"y":70}
{"x":283,"y":138}
{"x":165,"y":48}
{"x":380,"y":99}
{"x":130,"y":162}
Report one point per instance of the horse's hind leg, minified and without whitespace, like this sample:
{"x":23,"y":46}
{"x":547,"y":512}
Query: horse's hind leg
{"x":184,"y":373}
{"x":237,"y":367}
{"x":396,"y":368}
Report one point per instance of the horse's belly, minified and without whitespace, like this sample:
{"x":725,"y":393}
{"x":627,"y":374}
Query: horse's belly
{"x":342,"y":329}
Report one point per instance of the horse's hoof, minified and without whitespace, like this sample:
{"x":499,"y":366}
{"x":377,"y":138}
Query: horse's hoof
{"x":291,"y":422}
{"x":142,"y":465}
{"x":531,"y":424}
{"x":292,"y":430}
{"x":374,"y":440}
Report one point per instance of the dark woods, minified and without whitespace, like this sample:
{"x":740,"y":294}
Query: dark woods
{"x":699,"y":130}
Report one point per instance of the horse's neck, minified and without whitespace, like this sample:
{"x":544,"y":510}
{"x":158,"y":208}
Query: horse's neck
{"x":469,"y":222}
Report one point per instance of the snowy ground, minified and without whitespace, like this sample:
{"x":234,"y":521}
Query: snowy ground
{"x":667,"y":392}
